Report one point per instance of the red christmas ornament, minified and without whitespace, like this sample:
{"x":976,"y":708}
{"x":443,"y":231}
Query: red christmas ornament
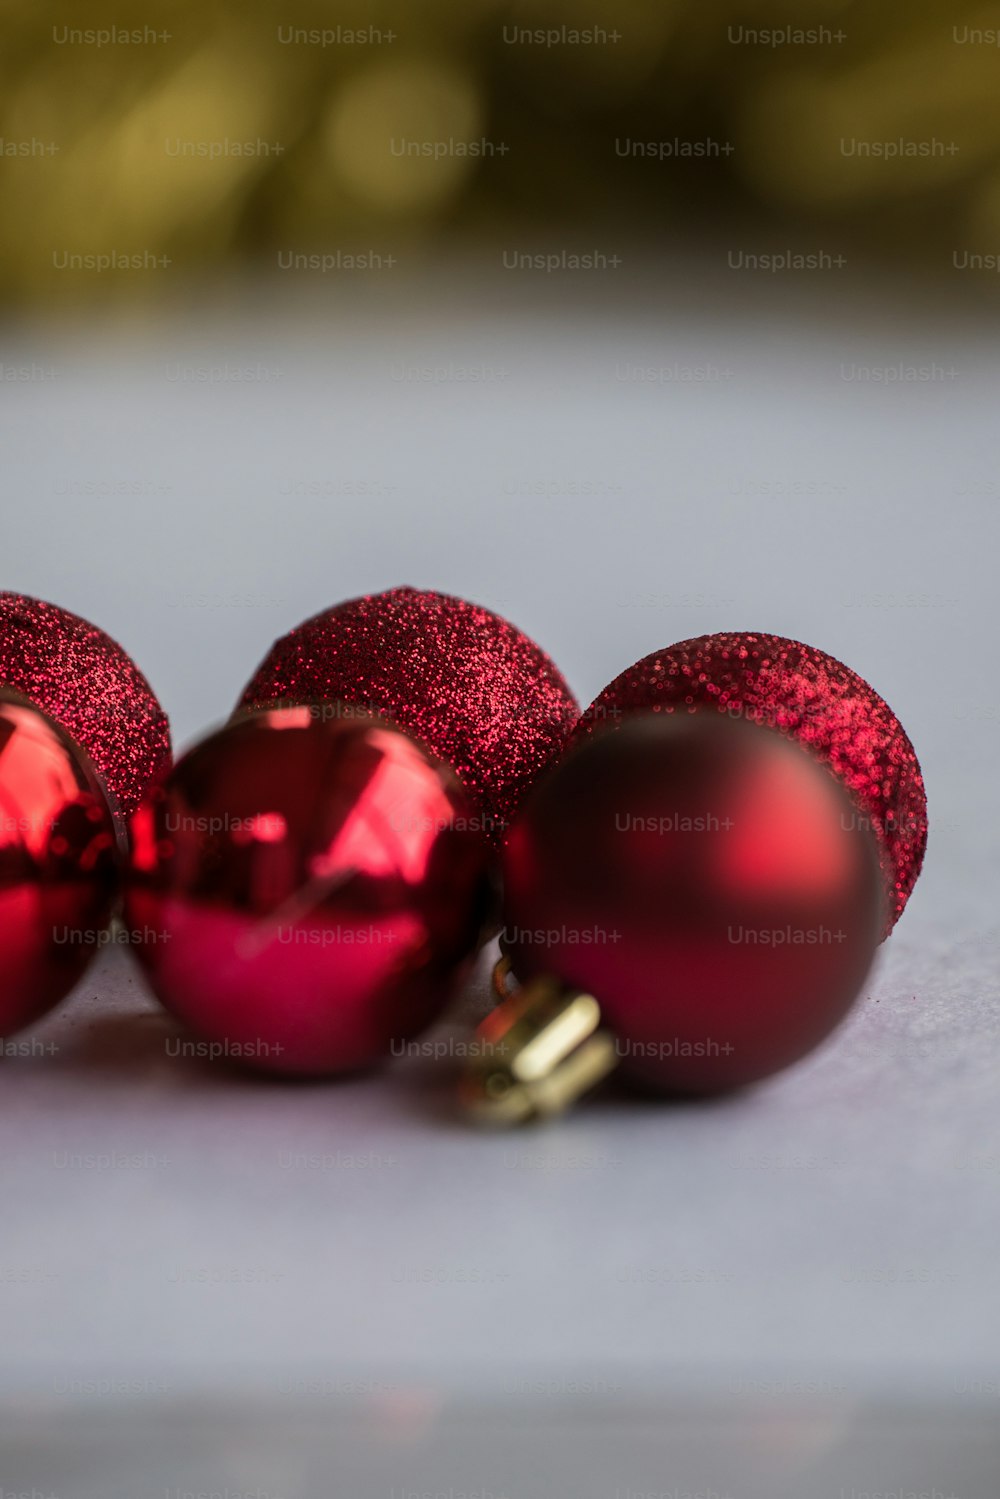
{"x":83,"y":680}
{"x":80,"y":735}
{"x":810,"y":697}
{"x":58,"y":862}
{"x":702,"y":888}
{"x":476,"y":690}
{"x":308,"y":890}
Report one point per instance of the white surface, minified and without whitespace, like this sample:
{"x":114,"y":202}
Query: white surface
{"x":190,"y":1228}
{"x":837,"y":1228}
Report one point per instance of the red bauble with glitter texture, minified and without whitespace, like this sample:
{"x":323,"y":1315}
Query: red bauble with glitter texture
{"x":468,"y":684}
{"x":813,"y":699}
{"x":80,"y":735}
{"x":308,"y":890}
{"x":708,"y":883}
{"x":82,"y":679}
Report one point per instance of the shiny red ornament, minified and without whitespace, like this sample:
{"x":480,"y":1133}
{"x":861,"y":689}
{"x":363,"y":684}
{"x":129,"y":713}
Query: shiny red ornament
{"x":58,"y":862}
{"x":465,"y":682}
{"x":83,"y":680}
{"x":709,"y":884}
{"x":813,"y":699}
{"x":306,"y":891}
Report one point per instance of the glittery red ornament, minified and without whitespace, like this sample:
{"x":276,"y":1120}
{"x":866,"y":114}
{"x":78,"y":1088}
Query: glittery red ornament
{"x":810,"y":697}
{"x":306,"y":892}
{"x":58,"y":863}
{"x":705,"y":882}
{"x":473,"y":688}
{"x":77,"y":675}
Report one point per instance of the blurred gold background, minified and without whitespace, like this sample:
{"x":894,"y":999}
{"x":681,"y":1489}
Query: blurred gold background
{"x":221,"y":135}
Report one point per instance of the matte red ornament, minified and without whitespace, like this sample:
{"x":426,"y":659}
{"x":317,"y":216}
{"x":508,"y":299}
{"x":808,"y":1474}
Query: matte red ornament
{"x":308,"y":890}
{"x":58,"y":862}
{"x":467,"y":683}
{"x":707,"y":883}
{"x":84,"y":681}
{"x":810,"y":697}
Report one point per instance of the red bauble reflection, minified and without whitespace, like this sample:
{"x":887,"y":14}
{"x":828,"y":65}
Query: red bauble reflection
{"x":58,"y":863}
{"x":707,"y":881}
{"x":306,"y":892}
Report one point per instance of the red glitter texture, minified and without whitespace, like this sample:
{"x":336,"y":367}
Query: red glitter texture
{"x":471,"y":686}
{"x":811,"y":697}
{"x":76,"y":674}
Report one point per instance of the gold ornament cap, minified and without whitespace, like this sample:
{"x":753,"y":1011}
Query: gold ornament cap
{"x":541,"y":1048}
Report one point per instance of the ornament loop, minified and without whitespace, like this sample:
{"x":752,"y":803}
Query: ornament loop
{"x":501,"y":973}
